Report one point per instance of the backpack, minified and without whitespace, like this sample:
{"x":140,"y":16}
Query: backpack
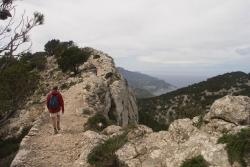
{"x":54,"y":102}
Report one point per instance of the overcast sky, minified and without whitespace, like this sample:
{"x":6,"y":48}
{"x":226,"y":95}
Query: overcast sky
{"x":178,"y":37}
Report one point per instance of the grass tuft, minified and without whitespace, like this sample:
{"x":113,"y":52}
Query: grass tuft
{"x":198,"y":161}
{"x":103,"y":155}
{"x":237,"y":146}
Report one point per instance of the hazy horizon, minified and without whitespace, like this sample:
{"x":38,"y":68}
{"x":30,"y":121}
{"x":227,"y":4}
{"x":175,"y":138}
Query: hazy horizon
{"x":180,"y":80}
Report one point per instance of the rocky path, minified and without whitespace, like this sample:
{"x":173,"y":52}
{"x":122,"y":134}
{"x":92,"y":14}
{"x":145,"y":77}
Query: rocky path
{"x":48,"y":150}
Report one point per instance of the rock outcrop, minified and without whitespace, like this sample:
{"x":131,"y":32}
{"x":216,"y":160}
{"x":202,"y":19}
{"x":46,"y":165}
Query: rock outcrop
{"x":106,"y":91}
{"x":234,"y":109}
{"x":184,"y":140}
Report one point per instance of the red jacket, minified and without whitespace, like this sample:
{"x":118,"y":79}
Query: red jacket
{"x":61,"y":103}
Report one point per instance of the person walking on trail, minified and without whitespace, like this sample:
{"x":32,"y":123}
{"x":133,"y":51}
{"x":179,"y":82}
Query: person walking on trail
{"x":55,"y":104}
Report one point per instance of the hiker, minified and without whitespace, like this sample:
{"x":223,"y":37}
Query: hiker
{"x":55,"y":104}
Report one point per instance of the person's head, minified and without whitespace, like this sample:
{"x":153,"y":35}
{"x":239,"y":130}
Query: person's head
{"x":55,"y":88}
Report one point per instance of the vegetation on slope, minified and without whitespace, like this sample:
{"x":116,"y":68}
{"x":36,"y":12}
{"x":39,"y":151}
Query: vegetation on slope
{"x":237,"y":146}
{"x":198,"y":161}
{"x":68,"y":55}
{"x":20,"y":77}
{"x":142,"y":93}
{"x":159,"y":112}
{"x":103,"y":155}
{"x":9,"y":147}
{"x":18,"y":80}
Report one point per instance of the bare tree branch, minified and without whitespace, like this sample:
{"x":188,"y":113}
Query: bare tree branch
{"x":12,"y":35}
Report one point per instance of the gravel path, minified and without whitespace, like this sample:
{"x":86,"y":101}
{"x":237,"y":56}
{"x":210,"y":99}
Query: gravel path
{"x":48,"y":150}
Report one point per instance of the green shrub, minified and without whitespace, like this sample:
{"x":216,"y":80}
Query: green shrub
{"x":148,"y":120}
{"x":56,"y":47}
{"x":198,"y":161}
{"x":10,"y":146}
{"x":17,"y":83}
{"x":71,"y":59}
{"x":237,"y":145}
{"x":51,"y":47}
{"x":34,"y":61}
{"x":103,"y":155}
{"x":98,"y":122}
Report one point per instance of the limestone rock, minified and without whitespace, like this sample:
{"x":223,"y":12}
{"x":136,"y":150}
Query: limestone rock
{"x":171,"y":148}
{"x":182,"y":129}
{"x":234,"y":109}
{"x":139,"y":131}
{"x":110,"y":130}
{"x":106,"y":91}
{"x":184,"y":140}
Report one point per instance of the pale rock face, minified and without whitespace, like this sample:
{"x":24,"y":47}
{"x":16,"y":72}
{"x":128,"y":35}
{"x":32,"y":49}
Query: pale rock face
{"x":170,"y":148}
{"x":106,"y":91}
{"x":184,"y":140}
{"x":234,"y":109}
{"x":112,"y":129}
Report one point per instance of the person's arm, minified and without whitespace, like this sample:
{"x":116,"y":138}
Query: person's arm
{"x":61,"y":102}
{"x":48,"y":98}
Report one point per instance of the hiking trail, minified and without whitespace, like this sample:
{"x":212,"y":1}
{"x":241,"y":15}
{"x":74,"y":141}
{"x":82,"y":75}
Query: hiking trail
{"x":62,"y":149}
{"x":100,"y":88}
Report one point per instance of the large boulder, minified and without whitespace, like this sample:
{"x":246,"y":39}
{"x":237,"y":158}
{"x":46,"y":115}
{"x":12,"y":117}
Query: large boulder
{"x":233,"y":109}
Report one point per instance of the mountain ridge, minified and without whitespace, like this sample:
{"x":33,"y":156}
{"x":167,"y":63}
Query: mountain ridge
{"x":192,"y":100}
{"x":145,"y":85}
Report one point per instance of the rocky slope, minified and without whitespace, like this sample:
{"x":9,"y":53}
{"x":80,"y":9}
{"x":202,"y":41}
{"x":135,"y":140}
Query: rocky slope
{"x":159,"y":112}
{"x":184,"y":139}
{"x":145,"y":85}
{"x":100,"y":87}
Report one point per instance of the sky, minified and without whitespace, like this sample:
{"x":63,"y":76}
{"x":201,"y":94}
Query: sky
{"x":161,"y":37}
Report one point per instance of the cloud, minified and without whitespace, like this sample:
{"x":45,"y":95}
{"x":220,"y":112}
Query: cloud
{"x":159,"y":34}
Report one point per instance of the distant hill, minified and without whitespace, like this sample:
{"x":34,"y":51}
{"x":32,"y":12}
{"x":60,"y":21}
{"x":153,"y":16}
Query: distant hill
{"x":145,"y":85}
{"x":158,"y":112}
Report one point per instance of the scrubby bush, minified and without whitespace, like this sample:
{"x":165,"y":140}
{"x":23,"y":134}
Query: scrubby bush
{"x":69,"y":56}
{"x":56,"y":47}
{"x":51,"y":47}
{"x":17,"y":83}
{"x":71,"y":59}
{"x":34,"y":61}
{"x":10,"y":146}
{"x":237,"y":146}
{"x":148,"y":120}
{"x":104,"y":153}
{"x":198,"y":161}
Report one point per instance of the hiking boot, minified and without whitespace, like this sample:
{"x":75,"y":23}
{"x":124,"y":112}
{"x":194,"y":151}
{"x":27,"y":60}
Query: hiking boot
{"x":59,"y":128}
{"x":55,"y":131}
